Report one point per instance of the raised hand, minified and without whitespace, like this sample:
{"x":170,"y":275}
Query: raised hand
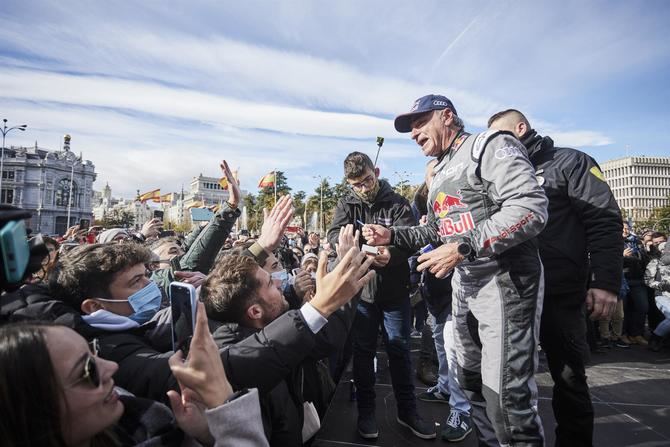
{"x":194,"y":278}
{"x":275,"y":223}
{"x":203,"y":370}
{"x":346,"y":239}
{"x":151,"y":227}
{"x":335,"y":289}
{"x":233,"y":188}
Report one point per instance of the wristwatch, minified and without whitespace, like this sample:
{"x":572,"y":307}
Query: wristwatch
{"x":465,"y":250}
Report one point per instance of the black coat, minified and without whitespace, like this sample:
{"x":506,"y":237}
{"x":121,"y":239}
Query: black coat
{"x":581,"y":244}
{"x":282,"y":401}
{"x":144,"y":370}
{"x":391,"y":284}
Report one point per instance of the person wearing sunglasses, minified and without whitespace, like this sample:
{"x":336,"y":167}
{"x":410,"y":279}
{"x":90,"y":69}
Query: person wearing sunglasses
{"x":56,"y":391}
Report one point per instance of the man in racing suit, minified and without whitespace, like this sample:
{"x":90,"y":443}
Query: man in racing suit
{"x":486,"y":207}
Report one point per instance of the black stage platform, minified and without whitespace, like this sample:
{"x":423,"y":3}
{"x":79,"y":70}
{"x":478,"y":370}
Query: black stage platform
{"x":630,"y":390}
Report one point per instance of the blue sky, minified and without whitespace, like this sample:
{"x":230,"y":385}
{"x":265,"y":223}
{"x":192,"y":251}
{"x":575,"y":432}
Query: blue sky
{"x":155,"y":92}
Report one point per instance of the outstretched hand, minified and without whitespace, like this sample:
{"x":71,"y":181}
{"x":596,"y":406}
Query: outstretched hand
{"x":275,"y":223}
{"x":346,"y":239}
{"x":335,"y":289}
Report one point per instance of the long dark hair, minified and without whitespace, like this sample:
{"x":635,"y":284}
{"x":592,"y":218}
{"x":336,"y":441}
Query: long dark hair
{"x":29,"y":390}
{"x":30,"y":395}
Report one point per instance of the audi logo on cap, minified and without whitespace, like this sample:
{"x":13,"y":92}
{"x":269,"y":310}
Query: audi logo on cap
{"x":437,"y":102}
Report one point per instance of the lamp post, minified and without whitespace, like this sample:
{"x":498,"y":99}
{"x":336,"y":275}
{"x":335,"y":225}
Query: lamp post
{"x":321,"y":180}
{"x":5,"y":131}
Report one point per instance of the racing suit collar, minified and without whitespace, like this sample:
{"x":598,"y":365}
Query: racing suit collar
{"x":458,"y":140}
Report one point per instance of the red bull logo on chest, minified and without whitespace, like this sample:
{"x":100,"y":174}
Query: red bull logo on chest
{"x":461,"y":225}
{"x":444,"y":202}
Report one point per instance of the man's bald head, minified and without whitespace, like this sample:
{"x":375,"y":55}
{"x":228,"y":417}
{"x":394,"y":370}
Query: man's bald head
{"x":510,"y":120}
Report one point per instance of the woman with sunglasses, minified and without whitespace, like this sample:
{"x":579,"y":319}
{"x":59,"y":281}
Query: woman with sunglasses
{"x":56,"y":391}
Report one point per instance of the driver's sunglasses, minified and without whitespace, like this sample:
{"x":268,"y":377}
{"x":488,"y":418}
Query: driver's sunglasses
{"x":91,"y":373}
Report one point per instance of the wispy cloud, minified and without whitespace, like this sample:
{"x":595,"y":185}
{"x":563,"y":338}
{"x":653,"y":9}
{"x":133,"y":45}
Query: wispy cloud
{"x":296,"y":87}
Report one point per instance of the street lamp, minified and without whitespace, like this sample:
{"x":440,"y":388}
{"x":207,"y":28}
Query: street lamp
{"x":5,"y":131}
{"x":321,"y":180}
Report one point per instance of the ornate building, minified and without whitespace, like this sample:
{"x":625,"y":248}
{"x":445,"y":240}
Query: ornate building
{"x":639,"y":184}
{"x":54,"y":185}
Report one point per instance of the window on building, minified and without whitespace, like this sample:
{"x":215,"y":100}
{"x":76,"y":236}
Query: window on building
{"x":63,"y":193}
{"x":7,"y":196}
{"x":8,"y":175}
{"x":62,"y":225}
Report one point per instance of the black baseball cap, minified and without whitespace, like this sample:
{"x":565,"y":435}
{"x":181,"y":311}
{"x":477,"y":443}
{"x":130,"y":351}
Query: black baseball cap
{"x":422,"y":105}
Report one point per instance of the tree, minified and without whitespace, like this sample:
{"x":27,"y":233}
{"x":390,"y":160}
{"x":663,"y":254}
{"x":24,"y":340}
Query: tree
{"x":659,"y":219}
{"x":405,"y":189}
{"x":299,"y":205}
{"x":118,"y":218}
{"x":329,"y":202}
{"x":266,"y":196}
{"x":253,"y":220}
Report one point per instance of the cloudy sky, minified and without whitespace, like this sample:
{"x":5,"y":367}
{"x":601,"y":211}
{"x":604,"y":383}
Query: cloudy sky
{"x":155,"y":92}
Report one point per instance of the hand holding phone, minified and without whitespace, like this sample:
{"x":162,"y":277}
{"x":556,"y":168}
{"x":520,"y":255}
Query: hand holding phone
{"x":370,"y":249}
{"x":183,"y":303}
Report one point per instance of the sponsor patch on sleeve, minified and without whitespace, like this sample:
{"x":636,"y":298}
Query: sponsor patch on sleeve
{"x":598,"y":173}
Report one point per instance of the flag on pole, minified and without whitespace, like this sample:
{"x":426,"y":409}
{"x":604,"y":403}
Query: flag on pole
{"x":268,"y":181}
{"x":154,"y":195}
{"x":167,"y":197}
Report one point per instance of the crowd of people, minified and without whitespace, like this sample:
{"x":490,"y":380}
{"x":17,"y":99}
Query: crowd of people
{"x":511,"y":244}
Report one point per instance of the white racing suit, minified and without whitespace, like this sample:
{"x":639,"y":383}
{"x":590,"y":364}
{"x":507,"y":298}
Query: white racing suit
{"x":485,"y":193}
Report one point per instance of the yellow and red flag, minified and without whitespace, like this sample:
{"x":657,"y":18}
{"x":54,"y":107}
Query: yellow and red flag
{"x":154,"y":195}
{"x":167,"y":197}
{"x":224,"y":181}
{"x":268,"y":181}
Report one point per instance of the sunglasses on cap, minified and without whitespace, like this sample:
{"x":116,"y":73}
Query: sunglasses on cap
{"x":91,"y":373}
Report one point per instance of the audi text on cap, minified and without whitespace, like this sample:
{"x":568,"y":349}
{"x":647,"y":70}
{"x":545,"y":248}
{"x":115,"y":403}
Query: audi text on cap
{"x":422,"y":105}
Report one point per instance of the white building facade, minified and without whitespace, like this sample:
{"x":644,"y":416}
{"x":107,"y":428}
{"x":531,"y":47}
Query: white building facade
{"x":51,"y":184}
{"x":640,"y":184}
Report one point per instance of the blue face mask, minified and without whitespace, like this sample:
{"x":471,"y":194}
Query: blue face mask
{"x":145,"y":302}
{"x":282,"y":276}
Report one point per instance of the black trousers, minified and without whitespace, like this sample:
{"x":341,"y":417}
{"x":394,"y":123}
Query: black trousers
{"x":563,"y":339}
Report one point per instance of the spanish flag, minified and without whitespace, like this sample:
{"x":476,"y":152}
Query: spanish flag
{"x":224,"y":181}
{"x":167,"y":197}
{"x":268,"y":181}
{"x":154,"y":195}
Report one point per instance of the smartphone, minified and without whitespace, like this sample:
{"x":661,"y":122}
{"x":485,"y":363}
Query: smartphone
{"x":370,"y":249}
{"x":15,"y":250}
{"x":84,"y":223}
{"x":183,"y":303}
{"x":158,"y":214}
{"x":166,"y":233}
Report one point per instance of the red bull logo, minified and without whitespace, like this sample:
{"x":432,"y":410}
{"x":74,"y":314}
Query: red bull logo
{"x":444,"y":202}
{"x":449,"y":226}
